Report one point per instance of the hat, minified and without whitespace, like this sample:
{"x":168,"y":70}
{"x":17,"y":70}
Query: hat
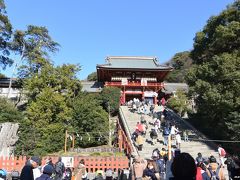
{"x":48,"y":169}
{"x":36,"y":159}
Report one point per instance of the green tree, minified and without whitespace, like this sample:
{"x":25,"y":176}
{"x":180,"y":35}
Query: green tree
{"x":92,"y":76}
{"x":220,"y":34}
{"x":215,"y":77}
{"x":5,"y":37}
{"x":8,"y":112}
{"x":49,"y":110}
{"x":90,"y":121}
{"x":181,"y":62}
{"x":34,"y":46}
{"x":2,"y":76}
{"x":62,"y":79}
{"x":45,"y":122}
{"x":179,"y":102}
{"x":110,"y":97}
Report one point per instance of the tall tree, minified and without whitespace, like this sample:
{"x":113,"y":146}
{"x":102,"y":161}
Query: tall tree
{"x":34,"y":46}
{"x":8,"y":112}
{"x":5,"y":37}
{"x":181,"y":62}
{"x":221,"y":34}
{"x":92,"y":76}
{"x":215,"y":77}
{"x":62,"y":79}
{"x":49,"y":110}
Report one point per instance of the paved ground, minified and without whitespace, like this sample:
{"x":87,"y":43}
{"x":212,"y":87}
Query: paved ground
{"x":192,"y":147}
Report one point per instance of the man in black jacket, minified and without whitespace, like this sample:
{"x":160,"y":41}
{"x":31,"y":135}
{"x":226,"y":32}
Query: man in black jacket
{"x":59,"y":169}
{"x":27,"y":171}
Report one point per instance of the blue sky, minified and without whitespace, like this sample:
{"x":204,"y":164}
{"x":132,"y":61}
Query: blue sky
{"x":90,"y":30}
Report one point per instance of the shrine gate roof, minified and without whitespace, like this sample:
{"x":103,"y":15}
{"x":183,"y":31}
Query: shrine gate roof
{"x":133,"y":62}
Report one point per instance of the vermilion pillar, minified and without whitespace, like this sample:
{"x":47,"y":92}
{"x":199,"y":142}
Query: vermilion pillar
{"x":124,"y":95}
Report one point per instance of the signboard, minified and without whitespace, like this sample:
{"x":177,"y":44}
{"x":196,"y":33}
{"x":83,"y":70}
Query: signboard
{"x":124,"y":81}
{"x":150,"y":94}
{"x":143,"y":82}
{"x":68,"y":161}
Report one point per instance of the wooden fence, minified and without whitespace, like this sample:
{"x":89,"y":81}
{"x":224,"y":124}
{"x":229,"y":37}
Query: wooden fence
{"x":92,"y":163}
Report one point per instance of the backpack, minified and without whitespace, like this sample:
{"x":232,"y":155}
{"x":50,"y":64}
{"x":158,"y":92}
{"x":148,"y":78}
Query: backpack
{"x":68,"y":174}
{"x":223,"y":152}
{"x":166,"y":132}
{"x":153,"y":134}
{"x":161,"y":165}
{"x":214,"y":175}
{"x":59,"y":168}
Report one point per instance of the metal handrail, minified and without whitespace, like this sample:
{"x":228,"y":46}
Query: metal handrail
{"x":197,"y":132}
{"x":128,"y":132}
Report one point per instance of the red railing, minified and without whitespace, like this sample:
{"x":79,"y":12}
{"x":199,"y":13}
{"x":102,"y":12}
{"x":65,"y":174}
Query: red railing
{"x":92,"y":163}
{"x":134,"y":84}
{"x":123,"y":141}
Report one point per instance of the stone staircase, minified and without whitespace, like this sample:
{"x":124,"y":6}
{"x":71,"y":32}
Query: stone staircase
{"x":191,"y":147}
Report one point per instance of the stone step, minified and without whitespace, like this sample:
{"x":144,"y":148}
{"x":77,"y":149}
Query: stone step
{"x":192,"y":147}
{"x":133,"y":118}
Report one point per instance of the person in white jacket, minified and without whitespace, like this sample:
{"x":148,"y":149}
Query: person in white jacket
{"x":178,"y":140}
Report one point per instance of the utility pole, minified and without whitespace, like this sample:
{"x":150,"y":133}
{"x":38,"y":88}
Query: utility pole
{"x":73,"y":141}
{"x":109,"y":126}
{"x":65,"y":144}
{"x":169,"y":147}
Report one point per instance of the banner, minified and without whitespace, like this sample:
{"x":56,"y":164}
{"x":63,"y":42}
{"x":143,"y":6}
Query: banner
{"x":68,"y":161}
{"x":124,"y":81}
{"x":150,"y":94}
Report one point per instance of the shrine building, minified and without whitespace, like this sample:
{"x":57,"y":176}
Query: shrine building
{"x":137,"y":76}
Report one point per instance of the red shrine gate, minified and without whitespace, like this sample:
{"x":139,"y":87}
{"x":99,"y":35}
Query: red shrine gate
{"x":137,"y":77}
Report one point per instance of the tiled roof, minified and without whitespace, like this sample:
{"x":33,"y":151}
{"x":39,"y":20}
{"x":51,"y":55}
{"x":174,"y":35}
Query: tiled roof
{"x":87,"y":86}
{"x":173,"y":87}
{"x":91,"y":86}
{"x":133,"y":62}
{"x":4,"y":82}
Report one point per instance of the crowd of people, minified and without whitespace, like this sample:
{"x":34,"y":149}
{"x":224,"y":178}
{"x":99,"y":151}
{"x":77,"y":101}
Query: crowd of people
{"x":34,"y":170}
{"x":161,"y":166}
{"x":160,"y":124}
{"x":182,"y":166}
{"x":49,"y":171}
